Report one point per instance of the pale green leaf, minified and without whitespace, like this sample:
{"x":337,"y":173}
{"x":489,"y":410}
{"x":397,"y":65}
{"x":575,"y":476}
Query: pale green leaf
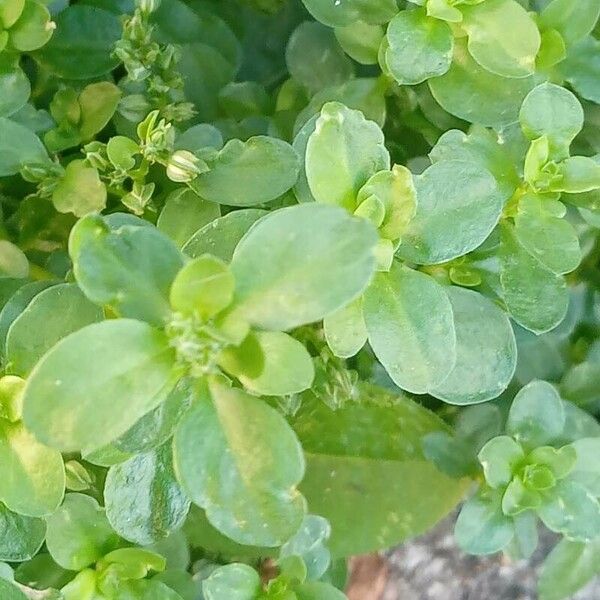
{"x":411,"y":329}
{"x":251,"y":464}
{"x":471,"y":93}
{"x":300,"y":264}
{"x":503,"y":38}
{"x":458,"y":205}
{"x":486,"y":351}
{"x":32,"y":475}
{"x":70,"y":398}
{"x":419,"y":47}
{"x":247,"y":173}
{"x":345,"y":330}
{"x":79,"y":533}
{"x":53,"y":314}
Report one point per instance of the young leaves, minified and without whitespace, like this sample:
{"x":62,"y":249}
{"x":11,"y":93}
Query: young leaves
{"x":70,"y":398}
{"x":342,"y":153}
{"x":251,"y":464}
{"x":300,"y":264}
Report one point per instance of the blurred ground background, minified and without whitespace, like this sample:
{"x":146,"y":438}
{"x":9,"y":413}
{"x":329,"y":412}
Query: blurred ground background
{"x":433,"y":568}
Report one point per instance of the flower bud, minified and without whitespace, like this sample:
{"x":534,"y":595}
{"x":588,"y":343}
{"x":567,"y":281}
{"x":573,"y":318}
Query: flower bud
{"x":184,"y":166}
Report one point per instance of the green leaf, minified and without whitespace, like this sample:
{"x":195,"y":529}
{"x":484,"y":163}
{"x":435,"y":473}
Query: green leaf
{"x":10,"y":12}
{"x":86,"y":32}
{"x":572,"y":21}
{"x":247,"y":173}
{"x":204,"y":286}
{"x":419,"y":47}
{"x":98,"y":102}
{"x":300,"y":264}
{"x":537,"y":414}
{"x":345,"y":330}
{"x":145,"y":589}
{"x":579,"y":174}
{"x":573,"y":511}
{"x":318,"y":590}
{"x":14,"y":86}
{"x":10,"y":591}
{"x":144,"y":503}
{"x":503,"y":38}
{"x":471,"y":208}
{"x":235,"y":582}
{"x":551,"y":239}
{"x":360,"y":41}
{"x":482,"y":147}
{"x":518,"y":498}
{"x":70,"y":398}
{"x":33,"y":474}
{"x":315,"y":59}
{"x":221,"y":236}
{"x":498,"y":458}
{"x":158,"y":425}
{"x":287,"y":368}
{"x":16,"y":304}
{"x":551,"y":110}
{"x":251,"y":465}
{"x":568,"y":568}
{"x":79,"y":533}
{"x":130,"y":269}
{"x":334,"y":15}
{"x":411,"y":330}
{"x":486,"y":351}
{"x":80,"y":190}
{"x":471,"y":93}
{"x":344,"y":151}
{"x":481,"y":528}
{"x":535,"y":297}
{"x":185,"y":213}
{"x":586,"y":469}
{"x":199,"y":137}
{"x":308,"y":543}
{"x":19,"y":146}
{"x":20,"y":537}
{"x":581,"y":68}
{"x":32,"y":29}
{"x":366,"y":458}
{"x":51,"y":315}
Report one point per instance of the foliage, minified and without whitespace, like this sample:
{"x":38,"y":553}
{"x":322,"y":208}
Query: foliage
{"x":285,"y":281}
